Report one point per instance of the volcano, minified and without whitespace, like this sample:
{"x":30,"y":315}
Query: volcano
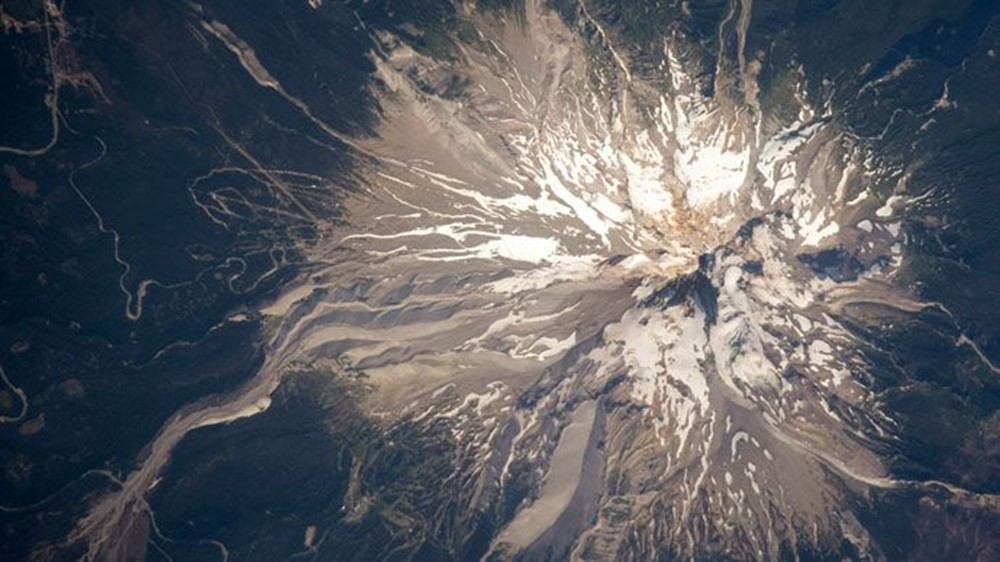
{"x":545,"y":281}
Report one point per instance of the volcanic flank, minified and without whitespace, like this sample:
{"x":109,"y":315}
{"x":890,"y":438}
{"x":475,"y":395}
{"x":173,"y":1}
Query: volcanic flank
{"x":629,"y":298}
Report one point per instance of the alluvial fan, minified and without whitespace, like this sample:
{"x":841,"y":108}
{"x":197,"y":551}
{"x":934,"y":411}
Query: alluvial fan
{"x":629,"y":296}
